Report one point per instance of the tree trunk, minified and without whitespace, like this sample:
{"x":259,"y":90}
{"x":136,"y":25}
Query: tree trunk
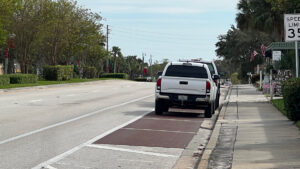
{"x":115,"y":65}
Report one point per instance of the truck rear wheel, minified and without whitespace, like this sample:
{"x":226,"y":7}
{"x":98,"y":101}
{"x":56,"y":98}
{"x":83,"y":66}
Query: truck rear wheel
{"x":217,"y":101}
{"x":213,"y":108}
{"x":158,"y":107}
{"x":208,"y":111}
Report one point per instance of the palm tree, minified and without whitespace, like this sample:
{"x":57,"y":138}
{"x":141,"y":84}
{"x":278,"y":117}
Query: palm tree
{"x":259,"y":15}
{"x":116,"y":52}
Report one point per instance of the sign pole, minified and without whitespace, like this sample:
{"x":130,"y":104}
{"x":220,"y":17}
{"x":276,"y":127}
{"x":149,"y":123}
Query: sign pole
{"x":260,"y":79}
{"x":271,"y":85}
{"x":297,"y":59}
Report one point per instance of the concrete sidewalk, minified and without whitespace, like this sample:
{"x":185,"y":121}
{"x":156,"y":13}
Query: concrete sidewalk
{"x":251,"y":134}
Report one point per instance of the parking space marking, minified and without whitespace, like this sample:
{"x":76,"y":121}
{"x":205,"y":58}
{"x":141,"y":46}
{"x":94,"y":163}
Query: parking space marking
{"x":151,"y":118}
{"x":168,"y":131}
{"x":34,"y":101}
{"x":71,"y":151}
{"x":71,"y":120}
{"x":130,"y":151}
{"x":71,"y":95}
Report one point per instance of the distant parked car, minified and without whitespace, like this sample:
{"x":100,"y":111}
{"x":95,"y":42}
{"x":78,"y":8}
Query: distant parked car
{"x":149,"y":79}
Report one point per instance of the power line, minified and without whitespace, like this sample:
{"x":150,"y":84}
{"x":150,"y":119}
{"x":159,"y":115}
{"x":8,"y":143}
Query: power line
{"x":147,"y":31}
{"x":158,"y":40}
{"x":158,"y":35}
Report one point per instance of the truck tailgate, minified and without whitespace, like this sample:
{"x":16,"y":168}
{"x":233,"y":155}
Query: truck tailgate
{"x":195,"y":86}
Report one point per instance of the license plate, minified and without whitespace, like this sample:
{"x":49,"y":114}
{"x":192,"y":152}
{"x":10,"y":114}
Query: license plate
{"x":182,"y":97}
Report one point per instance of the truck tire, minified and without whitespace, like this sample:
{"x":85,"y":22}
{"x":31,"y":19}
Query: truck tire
{"x":158,"y":107}
{"x":213,"y":108}
{"x":165,"y":107}
{"x":218,"y":101}
{"x":208,"y":111}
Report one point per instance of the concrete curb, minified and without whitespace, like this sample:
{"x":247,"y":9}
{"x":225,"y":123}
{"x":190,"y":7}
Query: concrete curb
{"x":204,"y":160}
{"x":195,"y":151}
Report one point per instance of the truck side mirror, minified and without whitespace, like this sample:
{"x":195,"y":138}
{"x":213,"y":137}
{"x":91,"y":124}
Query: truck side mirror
{"x":216,"y":77}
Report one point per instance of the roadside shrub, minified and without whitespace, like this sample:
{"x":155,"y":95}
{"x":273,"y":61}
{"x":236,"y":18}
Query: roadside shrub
{"x":22,"y":78}
{"x":115,"y":75}
{"x":141,"y":79}
{"x":58,"y":72}
{"x":291,"y":97}
{"x":255,"y":78}
{"x":89,"y":72}
{"x":4,"y":80}
{"x":234,"y":78}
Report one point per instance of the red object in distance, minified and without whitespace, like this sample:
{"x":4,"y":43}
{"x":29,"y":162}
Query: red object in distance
{"x":6,"y":53}
{"x":145,"y":70}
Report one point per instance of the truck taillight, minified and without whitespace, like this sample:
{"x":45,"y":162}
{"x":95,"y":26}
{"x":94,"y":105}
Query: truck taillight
{"x":158,"y":84}
{"x":208,"y":87}
{"x":216,"y":82}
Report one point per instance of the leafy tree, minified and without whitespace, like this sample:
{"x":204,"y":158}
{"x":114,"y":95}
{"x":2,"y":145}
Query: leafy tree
{"x":236,"y":48}
{"x":7,"y":8}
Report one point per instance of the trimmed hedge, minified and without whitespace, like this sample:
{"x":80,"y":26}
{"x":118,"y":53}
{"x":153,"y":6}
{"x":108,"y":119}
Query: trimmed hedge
{"x":58,"y":72}
{"x":22,"y":78}
{"x":235,"y":79}
{"x":4,"y":80}
{"x":141,"y":79}
{"x":291,"y":97}
{"x":89,"y":72}
{"x":115,"y":75}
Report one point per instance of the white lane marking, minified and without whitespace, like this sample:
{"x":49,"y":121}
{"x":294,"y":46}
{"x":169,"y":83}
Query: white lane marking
{"x":137,"y":160}
{"x":34,"y":101}
{"x":71,"y":120}
{"x":49,"y":167}
{"x":167,"y":131}
{"x":65,"y":154}
{"x":71,"y":95}
{"x":130,"y":151}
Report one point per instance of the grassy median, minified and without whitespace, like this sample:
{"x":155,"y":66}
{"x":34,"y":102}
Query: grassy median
{"x":45,"y":82}
{"x":279,"y":104}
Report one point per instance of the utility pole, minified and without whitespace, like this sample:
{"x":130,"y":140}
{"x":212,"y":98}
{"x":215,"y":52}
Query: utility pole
{"x":6,"y":54}
{"x":150,"y":61}
{"x":143,"y":64}
{"x":107,"y":60}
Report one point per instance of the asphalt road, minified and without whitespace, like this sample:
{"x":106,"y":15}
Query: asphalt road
{"x":40,"y":123}
{"x":106,"y":124}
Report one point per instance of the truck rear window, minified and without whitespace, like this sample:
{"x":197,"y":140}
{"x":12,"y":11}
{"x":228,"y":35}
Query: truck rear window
{"x":186,"y":71}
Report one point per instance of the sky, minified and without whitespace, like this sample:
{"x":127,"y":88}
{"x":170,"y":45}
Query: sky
{"x":165,"y":29}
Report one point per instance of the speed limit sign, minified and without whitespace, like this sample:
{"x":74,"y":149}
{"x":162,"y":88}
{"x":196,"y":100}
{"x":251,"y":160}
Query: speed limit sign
{"x":292,"y":33}
{"x":292,"y":27}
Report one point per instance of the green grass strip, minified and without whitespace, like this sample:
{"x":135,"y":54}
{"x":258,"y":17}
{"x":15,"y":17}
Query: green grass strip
{"x":44,"y":82}
{"x":298,"y":124}
{"x":279,"y":104}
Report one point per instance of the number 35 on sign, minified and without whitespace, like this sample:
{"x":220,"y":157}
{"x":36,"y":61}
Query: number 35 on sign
{"x":292,"y":27}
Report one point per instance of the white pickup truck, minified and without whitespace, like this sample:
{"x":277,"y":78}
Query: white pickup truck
{"x":186,"y":85}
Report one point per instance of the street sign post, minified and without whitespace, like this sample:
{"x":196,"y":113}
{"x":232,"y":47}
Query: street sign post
{"x":292,"y":33}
